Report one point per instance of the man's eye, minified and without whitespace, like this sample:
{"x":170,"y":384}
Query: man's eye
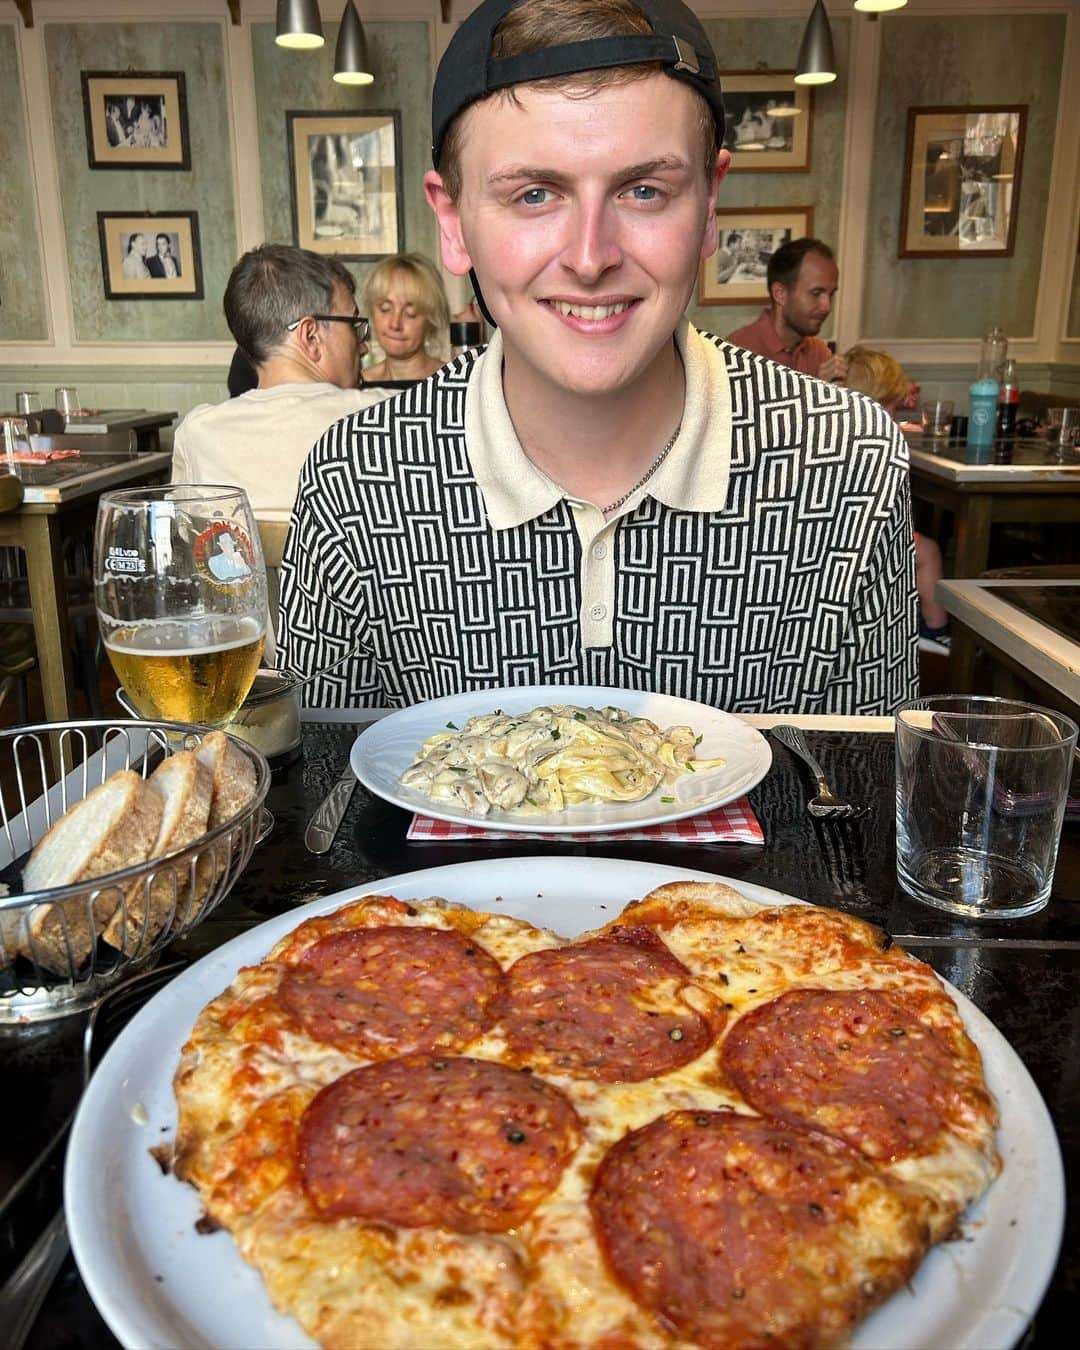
{"x":535,"y":196}
{"x":645,"y":192}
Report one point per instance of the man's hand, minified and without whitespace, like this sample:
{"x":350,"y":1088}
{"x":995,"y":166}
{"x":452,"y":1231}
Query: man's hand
{"x":834,"y":369}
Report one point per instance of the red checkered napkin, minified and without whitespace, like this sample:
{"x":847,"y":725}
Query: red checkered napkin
{"x":731,"y":824}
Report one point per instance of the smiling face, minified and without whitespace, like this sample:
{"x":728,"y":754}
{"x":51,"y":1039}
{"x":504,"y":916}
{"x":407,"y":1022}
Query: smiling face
{"x":586,"y":219}
{"x":400,"y":326}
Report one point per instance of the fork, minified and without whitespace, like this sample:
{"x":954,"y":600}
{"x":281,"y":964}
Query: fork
{"x":826,"y":805}
{"x":24,"y":1291}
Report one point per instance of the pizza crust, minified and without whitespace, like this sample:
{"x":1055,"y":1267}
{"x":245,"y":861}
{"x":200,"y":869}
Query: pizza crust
{"x":249,"y":1072}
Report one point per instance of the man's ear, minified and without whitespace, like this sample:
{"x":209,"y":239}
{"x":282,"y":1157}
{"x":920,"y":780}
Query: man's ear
{"x":308,"y":339}
{"x":711,"y":241}
{"x":455,"y":255}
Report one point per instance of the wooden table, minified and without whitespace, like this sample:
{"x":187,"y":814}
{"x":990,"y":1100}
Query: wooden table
{"x":1019,"y":481}
{"x":1033,"y":647}
{"x":59,"y":499}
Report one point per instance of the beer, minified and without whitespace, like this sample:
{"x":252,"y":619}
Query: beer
{"x":194,"y":670}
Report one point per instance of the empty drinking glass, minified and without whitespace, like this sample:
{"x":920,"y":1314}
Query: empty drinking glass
{"x":67,"y":402}
{"x":937,"y":417}
{"x":14,"y":437}
{"x":981,"y":786}
{"x":27,"y":404}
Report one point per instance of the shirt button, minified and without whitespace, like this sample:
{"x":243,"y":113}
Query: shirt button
{"x":598,"y":612}
{"x":599,"y":551}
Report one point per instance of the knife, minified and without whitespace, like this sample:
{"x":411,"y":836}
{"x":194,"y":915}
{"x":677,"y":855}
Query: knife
{"x":323,"y":825}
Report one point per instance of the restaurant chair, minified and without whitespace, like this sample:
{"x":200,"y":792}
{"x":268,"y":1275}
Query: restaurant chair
{"x":272,"y":535}
{"x":17,"y":651}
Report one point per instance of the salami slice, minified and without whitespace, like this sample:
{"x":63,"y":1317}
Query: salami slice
{"x":615,"y":1009}
{"x":858,"y":1064}
{"x":738,"y":1231}
{"x":463,"y":1144}
{"x":380,"y":992}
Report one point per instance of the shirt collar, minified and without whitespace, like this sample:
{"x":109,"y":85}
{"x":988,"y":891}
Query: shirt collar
{"x":693,"y":477}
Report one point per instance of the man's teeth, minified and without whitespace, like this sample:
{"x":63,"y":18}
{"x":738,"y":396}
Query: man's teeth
{"x":590,"y":311}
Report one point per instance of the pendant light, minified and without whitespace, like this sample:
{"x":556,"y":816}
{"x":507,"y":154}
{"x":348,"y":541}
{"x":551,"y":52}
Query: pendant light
{"x":817,"y":61}
{"x":298,"y":24}
{"x":879,"y":6}
{"x":351,"y":62}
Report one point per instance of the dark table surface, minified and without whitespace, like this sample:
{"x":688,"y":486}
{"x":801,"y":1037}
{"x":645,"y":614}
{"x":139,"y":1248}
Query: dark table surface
{"x":1024,"y":974}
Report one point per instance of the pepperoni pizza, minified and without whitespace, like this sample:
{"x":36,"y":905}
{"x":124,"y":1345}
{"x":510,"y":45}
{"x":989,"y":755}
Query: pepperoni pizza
{"x":711,"y":1122}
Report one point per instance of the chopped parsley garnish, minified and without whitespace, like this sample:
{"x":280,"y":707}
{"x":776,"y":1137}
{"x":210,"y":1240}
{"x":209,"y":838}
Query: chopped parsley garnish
{"x":667,"y":799}
{"x":451,"y":726}
{"x":579,"y":717}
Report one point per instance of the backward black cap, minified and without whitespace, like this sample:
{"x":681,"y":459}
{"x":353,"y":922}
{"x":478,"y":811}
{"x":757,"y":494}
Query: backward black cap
{"x":468,"y":71}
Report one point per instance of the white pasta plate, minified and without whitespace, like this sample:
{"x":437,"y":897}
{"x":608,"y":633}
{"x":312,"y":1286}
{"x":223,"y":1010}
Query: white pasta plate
{"x":382,"y":753}
{"x":158,"y":1282}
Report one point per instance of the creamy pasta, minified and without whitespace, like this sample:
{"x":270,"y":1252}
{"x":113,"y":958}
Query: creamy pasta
{"x":550,"y":758}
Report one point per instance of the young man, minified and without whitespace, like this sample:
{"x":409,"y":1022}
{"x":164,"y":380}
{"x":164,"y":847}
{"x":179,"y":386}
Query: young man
{"x":294,"y":312}
{"x":802,"y":280}
{"x":604,"y":496}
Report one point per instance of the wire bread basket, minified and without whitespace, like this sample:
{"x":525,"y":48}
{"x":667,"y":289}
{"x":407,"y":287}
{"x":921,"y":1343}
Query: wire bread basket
{"x":149,"y":905}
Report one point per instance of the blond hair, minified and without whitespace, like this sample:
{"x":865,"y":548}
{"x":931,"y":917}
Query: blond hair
{"x":423,"y":288}
{"x":877,"y":374}
{"x":551,"y":23}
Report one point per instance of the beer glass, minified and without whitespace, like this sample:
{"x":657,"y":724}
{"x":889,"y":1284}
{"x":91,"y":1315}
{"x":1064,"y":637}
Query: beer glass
{"x":180,"y":589}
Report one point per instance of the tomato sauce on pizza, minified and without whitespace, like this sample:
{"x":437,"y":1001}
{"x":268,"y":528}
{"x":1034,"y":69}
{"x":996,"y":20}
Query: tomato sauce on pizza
{"x":710,"y":1122}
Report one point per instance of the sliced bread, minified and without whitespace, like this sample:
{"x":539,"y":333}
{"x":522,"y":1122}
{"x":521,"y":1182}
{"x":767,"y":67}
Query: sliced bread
{"x":113,"y":827}
{"x":233,"y":774}
{"x":185,"y":786}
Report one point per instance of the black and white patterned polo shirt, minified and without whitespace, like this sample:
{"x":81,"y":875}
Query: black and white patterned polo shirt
{"x":768,"y":566}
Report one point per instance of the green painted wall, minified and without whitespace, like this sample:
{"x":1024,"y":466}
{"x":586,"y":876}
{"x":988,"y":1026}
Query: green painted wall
{"x":954,"y":61}
{"x":747,"y":44}
{"x":198,"y":50}
{"x":290,"y":81}
{"x":22,"y":288}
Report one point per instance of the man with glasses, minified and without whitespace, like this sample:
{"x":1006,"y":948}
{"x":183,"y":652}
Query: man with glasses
{"x":293,"y":313}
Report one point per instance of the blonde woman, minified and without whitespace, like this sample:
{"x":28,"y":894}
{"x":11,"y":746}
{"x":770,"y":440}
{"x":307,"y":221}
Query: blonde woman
{"x":406,"y":303}
{"x":884,"y":379}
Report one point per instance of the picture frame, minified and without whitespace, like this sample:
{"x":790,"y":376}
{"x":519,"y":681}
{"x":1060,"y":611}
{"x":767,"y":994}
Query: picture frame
{"x":136,"y":119}
{"x":768,"y":121}
{"x":143,"y":271}
{"x":749,"y":235}
{"x":961,"y":181}
{"x":345,"y":172}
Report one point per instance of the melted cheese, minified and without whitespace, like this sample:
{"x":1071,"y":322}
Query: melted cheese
{"x":247,"y":1074}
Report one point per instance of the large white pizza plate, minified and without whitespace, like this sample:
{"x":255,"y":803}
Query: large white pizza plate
{"x":382,"y":753}
{"x":158,"y":1282}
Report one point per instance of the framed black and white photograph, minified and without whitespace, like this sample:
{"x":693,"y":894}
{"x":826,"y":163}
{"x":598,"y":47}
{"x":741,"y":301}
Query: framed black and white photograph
{"x":961,"y":182}
{"x":345,"y":170}
{"x":749,"y":236}
{"x":768,"y":121}
{"x":150,"y":255}
{"x":136,"y":120}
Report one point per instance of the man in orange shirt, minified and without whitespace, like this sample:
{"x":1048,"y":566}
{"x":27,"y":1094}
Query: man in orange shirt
{"x":802,"y":280}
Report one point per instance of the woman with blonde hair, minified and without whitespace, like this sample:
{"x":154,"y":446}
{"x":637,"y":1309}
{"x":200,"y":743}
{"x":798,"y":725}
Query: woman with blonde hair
{"x":884,"y":379}
{"x":406,"y":302}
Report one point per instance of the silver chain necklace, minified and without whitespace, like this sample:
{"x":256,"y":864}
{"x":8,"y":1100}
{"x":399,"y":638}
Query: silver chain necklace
{"x":607,"y":510}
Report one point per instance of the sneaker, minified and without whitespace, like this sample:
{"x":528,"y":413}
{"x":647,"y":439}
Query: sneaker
{"x":936,"y":640}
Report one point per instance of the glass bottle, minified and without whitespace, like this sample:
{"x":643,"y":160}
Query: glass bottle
{"x":994,"y":353}
{"x":1008,"y":400}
